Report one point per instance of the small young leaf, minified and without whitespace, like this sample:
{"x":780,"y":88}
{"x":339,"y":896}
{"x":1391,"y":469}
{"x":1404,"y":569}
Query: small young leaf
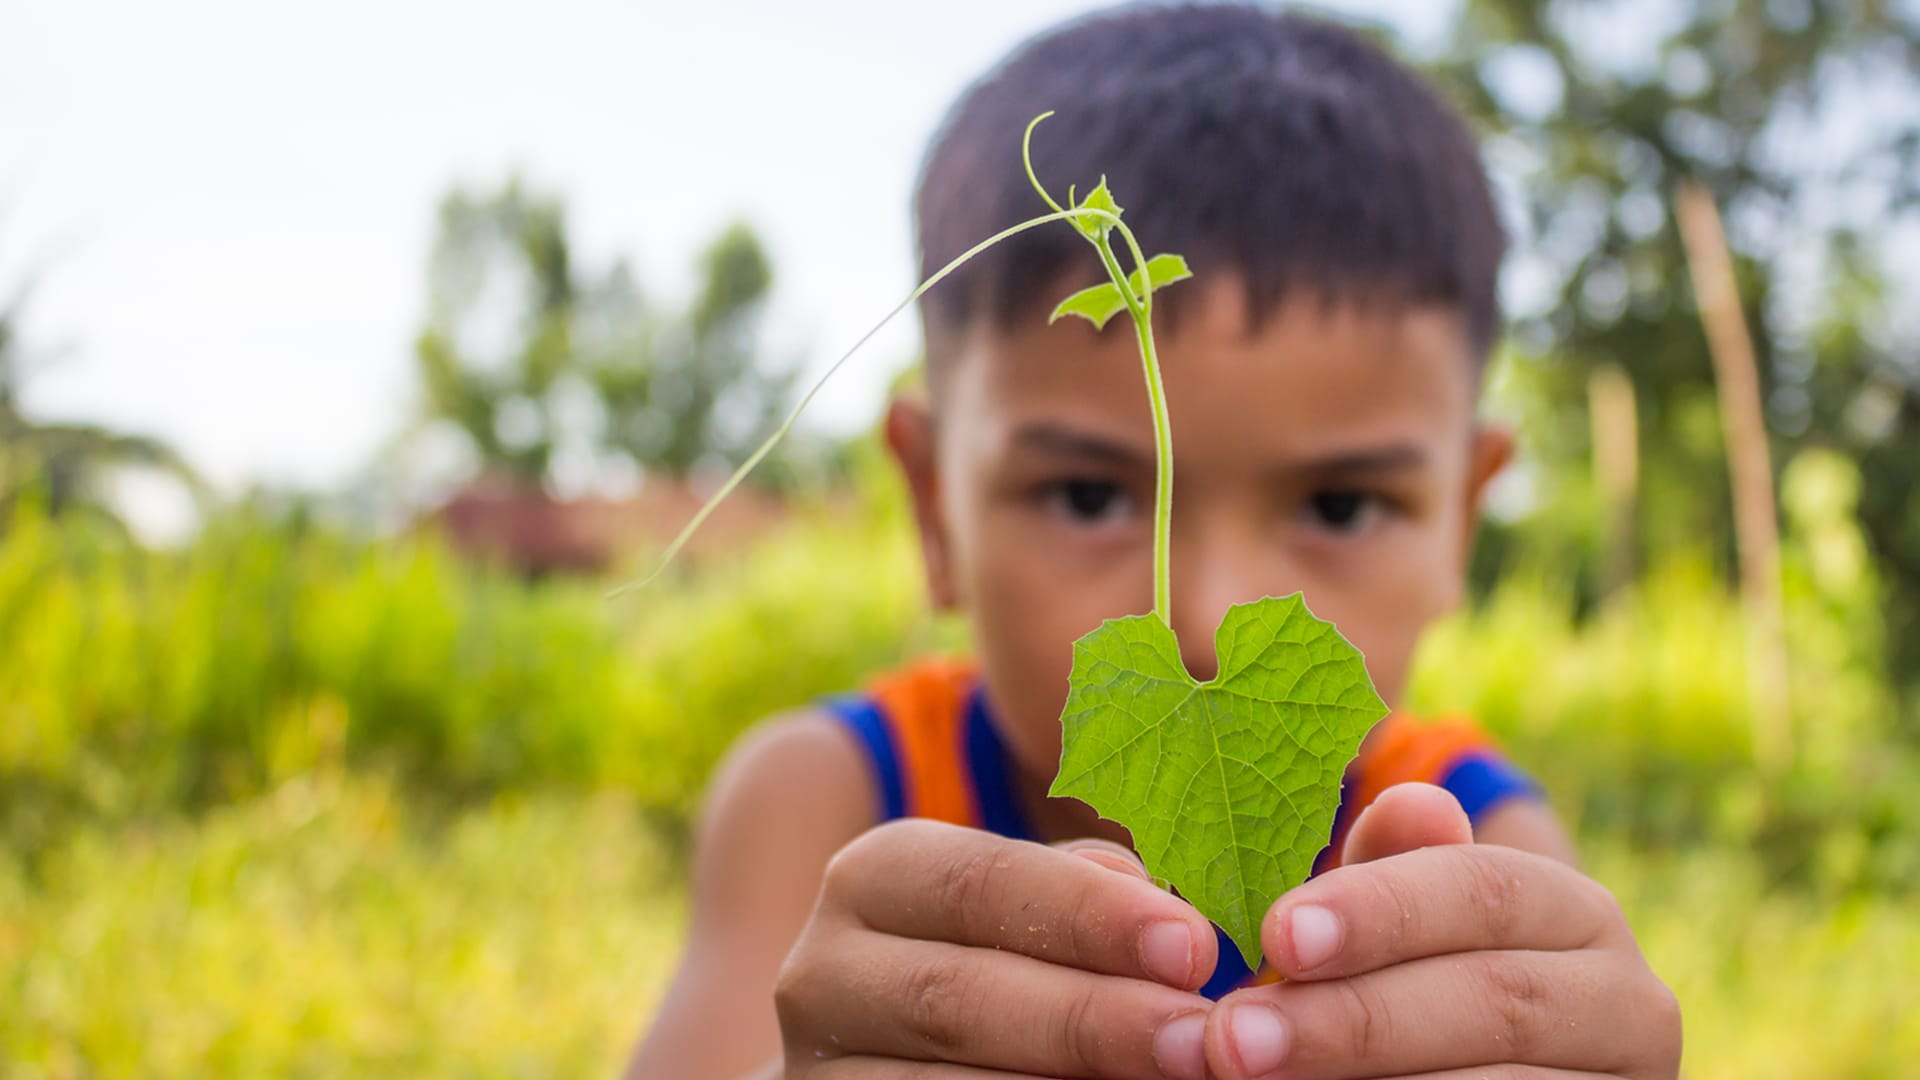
{"x":1095,"y":304}
{"x":1097,"y":199}
{"x":1230,"y":786}
{"x":1162,"y":270}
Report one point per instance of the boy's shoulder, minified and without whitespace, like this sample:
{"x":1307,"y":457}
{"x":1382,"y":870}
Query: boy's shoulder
{"x":791,"y":791}
{"x":802,"y":756}
{"x":824,"y":754}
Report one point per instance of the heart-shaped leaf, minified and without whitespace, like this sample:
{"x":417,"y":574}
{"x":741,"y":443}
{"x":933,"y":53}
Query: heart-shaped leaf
{"x":1230,"y":786}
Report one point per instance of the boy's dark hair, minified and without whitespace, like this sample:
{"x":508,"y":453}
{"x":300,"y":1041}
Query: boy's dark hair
{"x":1286,"y":148}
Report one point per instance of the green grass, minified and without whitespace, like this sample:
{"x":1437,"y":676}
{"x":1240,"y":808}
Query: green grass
{"x":136,"y":682}
{"x":292,"y":804}
{"x":1773,"y":983}
{"x":330,"y":928}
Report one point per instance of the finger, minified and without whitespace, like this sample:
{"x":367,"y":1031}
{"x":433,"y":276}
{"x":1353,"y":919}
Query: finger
{"x":1503,"y":1072}
{"x":873,"y":1068}
{"x":1436,"y":900}
{"x":1108,"y":854}
{"x":1452,"y":1012}
{"x":934,"y":882}
{"x":1404,"y":818}
{"x":934,"y":1001}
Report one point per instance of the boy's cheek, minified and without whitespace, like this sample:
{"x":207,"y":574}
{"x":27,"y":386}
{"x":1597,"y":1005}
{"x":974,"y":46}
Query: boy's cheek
{"x":1385,"y":610}
{"x":1026,"y":616}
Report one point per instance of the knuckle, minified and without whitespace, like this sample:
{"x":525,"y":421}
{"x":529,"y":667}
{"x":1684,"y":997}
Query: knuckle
{"x":792,"y":985}
{"x":1605,"y":902}
{"x":901,"y":834}
{"x":799,"y":981}
{"x":1082,"y":938}
{"x":849,"y":863}
{"x":1664,"y":1027}
{"x":842,"y":869}
{"x":1077,"y":1036}
{"x":877,"y":848}
{"x":1519,"y":995}
{"x":1608,"y":918}
{"x":967,"y":883}
{"x":1495,"y":894}
{"x":943,"y":1002}
{"x":798,"y":989}
{"x":1369,"y":1020}
{"x":1401,"y":902}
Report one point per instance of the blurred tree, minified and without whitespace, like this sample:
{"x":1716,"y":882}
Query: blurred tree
{"x":1802,"y":118}
{"x":700,"y":396}
{"x":65,"y":467}
{"x":498,"y":339}
{"x":536,"y":362}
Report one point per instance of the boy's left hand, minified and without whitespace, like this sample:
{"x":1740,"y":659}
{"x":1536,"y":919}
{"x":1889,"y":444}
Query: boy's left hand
{"x":1449,"y":961}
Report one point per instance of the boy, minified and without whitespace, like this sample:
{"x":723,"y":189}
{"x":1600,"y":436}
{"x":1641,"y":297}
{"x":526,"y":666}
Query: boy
{"x":1321,"y":373}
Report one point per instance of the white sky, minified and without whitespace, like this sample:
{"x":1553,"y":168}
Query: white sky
{"x":228,"y":205}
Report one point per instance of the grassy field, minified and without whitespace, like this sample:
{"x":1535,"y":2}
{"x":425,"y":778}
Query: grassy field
{"x":289,"y":805}
{"x":327,"y":928}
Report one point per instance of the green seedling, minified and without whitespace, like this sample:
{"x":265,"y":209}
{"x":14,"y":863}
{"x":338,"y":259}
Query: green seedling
{"x":1229,"y":786}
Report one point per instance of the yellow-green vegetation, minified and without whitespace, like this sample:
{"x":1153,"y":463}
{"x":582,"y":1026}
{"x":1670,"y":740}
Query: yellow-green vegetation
{"x":289,"y":804}
{"x":137,"y":680}
{"x":1772,"y":982}
{"x":329,"y":928}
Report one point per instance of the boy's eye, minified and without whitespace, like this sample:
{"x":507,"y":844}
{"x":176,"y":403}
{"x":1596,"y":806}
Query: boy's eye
{"x":1342,"y":511}
{"x":1090,"y":502}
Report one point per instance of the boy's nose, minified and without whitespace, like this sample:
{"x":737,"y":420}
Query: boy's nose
{"x":1215,"y":578}
{"x":1196,"y":650}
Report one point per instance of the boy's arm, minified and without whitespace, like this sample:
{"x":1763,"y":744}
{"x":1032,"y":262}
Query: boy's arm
{"x":787,"y":798}
{"x":1527,"y":824}
{"x":927,"y":943}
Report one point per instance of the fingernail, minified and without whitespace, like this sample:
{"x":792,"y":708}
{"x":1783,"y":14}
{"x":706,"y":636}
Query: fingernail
{"x":1316,"y":935}
{"x":1179,"y":1047}
{"x":1113,"y":861}
{"x":1166,"y":951}
{"x":1259,"y":1038}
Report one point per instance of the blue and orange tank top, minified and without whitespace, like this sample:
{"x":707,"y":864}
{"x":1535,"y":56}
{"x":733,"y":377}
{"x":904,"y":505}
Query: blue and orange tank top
{"x":929,"y":738}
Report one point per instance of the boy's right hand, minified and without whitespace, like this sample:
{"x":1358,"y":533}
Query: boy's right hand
{"x":947,"y":953}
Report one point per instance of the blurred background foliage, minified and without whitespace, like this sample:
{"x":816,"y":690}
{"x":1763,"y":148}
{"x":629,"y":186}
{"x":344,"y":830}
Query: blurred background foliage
{"x":304,"y":796}
{"x":1799,"y":116}
{"x":65,"y":465}
{"x":542,"y":366}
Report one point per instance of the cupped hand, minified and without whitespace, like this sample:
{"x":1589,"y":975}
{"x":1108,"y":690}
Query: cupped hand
{"x":1426,"y":955}
{"x":948,"y":953}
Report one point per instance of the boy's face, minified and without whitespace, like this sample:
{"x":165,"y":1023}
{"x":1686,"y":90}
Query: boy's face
{"x":1331,"y":450}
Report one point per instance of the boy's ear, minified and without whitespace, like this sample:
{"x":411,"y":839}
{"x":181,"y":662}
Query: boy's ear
{"x":910,"y":437}
{"x":1491,"y":453}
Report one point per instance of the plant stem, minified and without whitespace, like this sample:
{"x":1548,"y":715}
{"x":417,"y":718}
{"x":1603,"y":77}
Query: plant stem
{"x":1137,"y":306}
{"x":1141,"y":308}
{"x":747,"y":466}
{"x":1163,"y":475}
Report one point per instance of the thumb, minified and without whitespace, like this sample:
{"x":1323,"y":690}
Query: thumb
{"x":1406,"y":817}
{"x":1108,"y":854}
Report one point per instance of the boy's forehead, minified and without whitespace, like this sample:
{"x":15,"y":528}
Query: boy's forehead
{"x":1308,"y":375}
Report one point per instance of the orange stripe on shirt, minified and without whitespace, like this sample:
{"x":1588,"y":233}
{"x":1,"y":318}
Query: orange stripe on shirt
{"x":924,"y":706}
{"x":1405,"y":750}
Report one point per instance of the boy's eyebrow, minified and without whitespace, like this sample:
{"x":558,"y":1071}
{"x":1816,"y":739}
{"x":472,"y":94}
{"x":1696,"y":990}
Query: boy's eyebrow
{"x":1064,"y":441}
{"x":1381,"y":459}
